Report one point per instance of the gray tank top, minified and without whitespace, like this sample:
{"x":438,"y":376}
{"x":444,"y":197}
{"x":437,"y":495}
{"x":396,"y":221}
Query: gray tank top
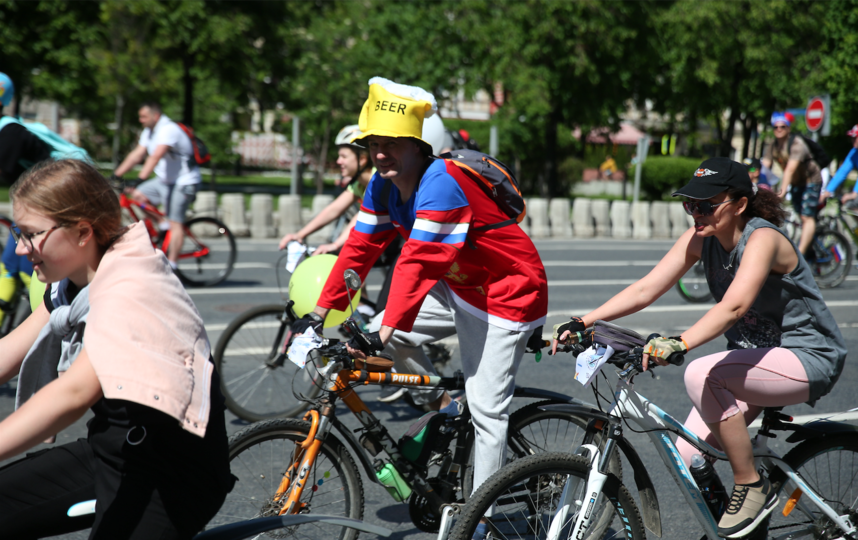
{"x":789,"y":312}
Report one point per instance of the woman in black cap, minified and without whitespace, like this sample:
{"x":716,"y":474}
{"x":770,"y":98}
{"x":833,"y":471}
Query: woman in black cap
{"x":784,"y":346}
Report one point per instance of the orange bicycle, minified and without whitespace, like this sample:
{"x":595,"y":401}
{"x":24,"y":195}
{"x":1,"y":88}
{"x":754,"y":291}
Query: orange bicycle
{"x":208,"y":251}
{"x":288,"y":466}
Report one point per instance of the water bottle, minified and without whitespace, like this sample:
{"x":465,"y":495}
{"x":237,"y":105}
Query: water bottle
{"x":709,"y":484}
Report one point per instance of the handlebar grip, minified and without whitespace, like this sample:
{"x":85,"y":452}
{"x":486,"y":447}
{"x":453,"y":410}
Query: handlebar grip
{"x":676,"y":359}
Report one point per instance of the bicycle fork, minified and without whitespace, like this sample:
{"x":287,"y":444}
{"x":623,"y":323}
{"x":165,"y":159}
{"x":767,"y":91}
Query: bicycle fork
{"x":295,"y":479}
{"x":592,"y":494}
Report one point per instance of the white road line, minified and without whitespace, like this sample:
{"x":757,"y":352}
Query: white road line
{"x":253,"y":265}
{"x":603,"y":247}
{"x":599,"y":263}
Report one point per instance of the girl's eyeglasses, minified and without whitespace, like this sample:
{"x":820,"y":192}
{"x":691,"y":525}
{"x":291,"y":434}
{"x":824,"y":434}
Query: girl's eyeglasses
{"x":28,"y":237}
{"x":704,"y":208}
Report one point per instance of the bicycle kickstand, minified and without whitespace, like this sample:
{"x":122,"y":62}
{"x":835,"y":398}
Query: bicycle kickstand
{"x":447,"y":512}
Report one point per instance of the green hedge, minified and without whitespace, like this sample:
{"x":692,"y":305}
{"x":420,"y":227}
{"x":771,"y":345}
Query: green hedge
{"x":661,"y":176}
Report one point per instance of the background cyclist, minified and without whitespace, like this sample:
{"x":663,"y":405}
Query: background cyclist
{"x":784,"y":345}
{"x":802,"y":177}
{"x":168,"y":152}
{"x":487,"y":287}
{"x":19,"y":150}
{"x":846,"y":167}
{"x":356,"y":170}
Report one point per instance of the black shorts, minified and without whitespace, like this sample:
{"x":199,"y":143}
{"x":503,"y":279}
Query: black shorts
{"x":158,"y":484}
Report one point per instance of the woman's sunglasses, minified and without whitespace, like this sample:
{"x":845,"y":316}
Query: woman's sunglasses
{"x":704,"y":208}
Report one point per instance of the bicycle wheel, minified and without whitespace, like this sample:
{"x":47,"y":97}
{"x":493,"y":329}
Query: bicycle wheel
{"x":830,"y":466}
{"x":693,"y":286}
{"x":208,"y":252}
{"x":525,"y":494}
{"x":534,"y":431}
{"x":832,"y":258}
{"x":261,"y":453}
{"x":255,"y":380}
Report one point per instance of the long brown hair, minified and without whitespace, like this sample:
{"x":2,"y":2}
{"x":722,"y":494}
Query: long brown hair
{"x":764,"y":203}
{"x":70,"y":191}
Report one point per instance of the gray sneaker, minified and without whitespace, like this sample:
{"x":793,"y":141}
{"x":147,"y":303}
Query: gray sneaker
{"x":748,"y":507}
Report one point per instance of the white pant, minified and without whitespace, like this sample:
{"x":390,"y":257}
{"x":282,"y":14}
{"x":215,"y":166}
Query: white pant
{"x":490,"y":359}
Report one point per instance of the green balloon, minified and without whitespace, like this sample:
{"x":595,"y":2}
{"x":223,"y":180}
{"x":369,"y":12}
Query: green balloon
{"x":307,"y":282}
{"x":37,"y":291}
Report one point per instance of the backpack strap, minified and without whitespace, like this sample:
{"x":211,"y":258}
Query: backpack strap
{"x":494,"y":226}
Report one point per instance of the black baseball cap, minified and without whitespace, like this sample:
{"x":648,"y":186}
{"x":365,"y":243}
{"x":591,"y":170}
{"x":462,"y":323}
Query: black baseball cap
{"x":714,"y":176}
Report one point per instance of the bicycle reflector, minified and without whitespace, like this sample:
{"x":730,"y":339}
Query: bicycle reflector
{"x":793,"y":500}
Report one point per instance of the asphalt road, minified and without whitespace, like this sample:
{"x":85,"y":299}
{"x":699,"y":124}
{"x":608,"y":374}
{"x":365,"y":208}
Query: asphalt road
{"x":582,"y":274}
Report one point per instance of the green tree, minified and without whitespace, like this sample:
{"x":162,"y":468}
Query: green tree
{"x":729,"y":73}
{"x":561,"y":64}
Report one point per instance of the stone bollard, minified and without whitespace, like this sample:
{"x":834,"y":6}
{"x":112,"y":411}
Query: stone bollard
{"x":234,"y":216}
{"x":323,"y":235}
{"x":261,"y":215}
{"x":641,"y":226}
{"x":601,"y":210}
{"x":559,"y":216}
{"x":660,"y":219}
{"x":206,"y":204}
{"x":679,"y":220}
{"x":621,"y":219}
{"x":537,"y":209}
{"x":290,"y":214}
{"x":582,"y":218}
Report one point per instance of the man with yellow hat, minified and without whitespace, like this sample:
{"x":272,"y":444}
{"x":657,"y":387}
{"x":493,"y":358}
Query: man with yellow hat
{"x":457,"y":274}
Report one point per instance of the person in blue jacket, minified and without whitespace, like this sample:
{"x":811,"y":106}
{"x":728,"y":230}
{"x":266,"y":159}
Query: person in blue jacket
{"x":846,"y":167}
{"x":18,"y":150}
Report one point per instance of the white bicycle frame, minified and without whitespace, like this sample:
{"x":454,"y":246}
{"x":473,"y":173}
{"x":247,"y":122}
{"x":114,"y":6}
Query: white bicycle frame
{"x":635,"y":408}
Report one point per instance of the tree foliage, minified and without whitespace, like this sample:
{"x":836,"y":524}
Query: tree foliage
{"x":554,"y":65}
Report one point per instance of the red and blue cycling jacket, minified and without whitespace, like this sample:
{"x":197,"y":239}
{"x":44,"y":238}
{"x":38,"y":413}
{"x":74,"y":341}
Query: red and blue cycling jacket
{"x":495,"y":275}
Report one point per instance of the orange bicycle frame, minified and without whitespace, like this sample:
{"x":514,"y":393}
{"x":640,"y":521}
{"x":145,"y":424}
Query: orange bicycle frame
{"x":307,"y":450}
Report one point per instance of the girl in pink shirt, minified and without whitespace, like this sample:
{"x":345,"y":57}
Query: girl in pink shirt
{"x":135,"y":352}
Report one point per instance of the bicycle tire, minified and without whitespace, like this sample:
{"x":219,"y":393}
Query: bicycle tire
{"x":255,"y":387}
{"x":821,"y":462}
{"x":693,"y":286}
{"x":261,"y":453}
{"x":534,"y":431}
{"x":832,"y":258}
{"x":204,"y":264}
{"x":532,"y":484}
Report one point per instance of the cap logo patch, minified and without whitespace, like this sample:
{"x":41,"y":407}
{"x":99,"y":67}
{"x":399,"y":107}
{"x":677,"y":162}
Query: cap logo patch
{"x":704,"y":172}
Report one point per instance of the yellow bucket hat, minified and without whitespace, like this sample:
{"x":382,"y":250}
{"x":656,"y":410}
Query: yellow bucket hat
{"x":395,"y":110}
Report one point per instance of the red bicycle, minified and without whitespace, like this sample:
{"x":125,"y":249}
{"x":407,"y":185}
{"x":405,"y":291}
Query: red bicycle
{"x":201,"y":263}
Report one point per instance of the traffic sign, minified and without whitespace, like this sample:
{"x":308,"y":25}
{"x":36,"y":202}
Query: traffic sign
{"x":814,"y":115}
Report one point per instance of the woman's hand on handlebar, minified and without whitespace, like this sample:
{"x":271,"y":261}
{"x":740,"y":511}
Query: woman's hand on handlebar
{"x":567,"y":333}
{"x":664,"y":351}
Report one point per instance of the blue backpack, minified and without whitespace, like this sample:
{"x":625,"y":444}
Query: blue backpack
{"x":60,"y":148}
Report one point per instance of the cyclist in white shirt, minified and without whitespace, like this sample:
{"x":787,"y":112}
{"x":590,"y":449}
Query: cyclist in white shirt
{"x":168,"y":153}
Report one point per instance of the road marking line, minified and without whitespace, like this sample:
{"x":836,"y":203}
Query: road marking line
{"x":599,"y":263}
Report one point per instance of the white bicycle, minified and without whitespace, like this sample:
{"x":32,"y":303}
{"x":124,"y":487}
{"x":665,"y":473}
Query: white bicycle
{"x":553,"y":495}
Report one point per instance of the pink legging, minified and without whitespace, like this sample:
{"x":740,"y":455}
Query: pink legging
{"x":745,"y":380}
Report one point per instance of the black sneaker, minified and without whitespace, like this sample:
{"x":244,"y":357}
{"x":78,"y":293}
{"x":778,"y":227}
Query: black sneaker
{"x":748,"y":507}
{"x":390,"y":393}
